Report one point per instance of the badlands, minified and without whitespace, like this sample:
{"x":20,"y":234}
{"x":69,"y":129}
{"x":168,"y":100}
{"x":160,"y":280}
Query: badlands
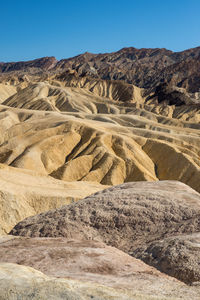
{"x":99,"y":176}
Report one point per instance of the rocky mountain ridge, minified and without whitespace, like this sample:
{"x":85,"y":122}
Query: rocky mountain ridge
{"x":145,"y":68}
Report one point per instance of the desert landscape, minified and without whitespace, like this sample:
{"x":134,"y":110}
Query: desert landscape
{"x":99,"y":176}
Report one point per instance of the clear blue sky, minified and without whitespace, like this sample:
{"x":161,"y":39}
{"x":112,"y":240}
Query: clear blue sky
{"x":31,"y":29}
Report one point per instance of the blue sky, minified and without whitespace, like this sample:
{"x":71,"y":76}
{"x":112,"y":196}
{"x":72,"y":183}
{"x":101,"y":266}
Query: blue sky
{"x":31,"y":29}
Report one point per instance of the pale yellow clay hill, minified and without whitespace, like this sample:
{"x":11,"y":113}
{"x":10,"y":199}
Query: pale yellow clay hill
{"x":105,"y":148}
{"x":24,"y":193}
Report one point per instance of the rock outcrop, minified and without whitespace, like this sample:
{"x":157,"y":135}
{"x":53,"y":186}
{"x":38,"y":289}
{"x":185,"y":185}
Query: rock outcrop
{"x":126,"y":216}
{"x":178,"y":256}
{"x":78,"y":259}
{"x":81,"y":270}
{"x":172,"y":95}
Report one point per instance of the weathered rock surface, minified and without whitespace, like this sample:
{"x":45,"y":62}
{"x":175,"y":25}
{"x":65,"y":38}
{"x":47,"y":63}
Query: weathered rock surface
{"x":172,"y":95}
{"x":44,"y":63}
{"x":178,"y":256}
{"x":142,"y":67}
{"x":125,"y":216}
{"x":20,"y":282}
{"x":25,"y":193}
{"x":79,"y":259}
{"x":24,"y":283}
{"x":83,"y":270}
{"x":111,"y":89}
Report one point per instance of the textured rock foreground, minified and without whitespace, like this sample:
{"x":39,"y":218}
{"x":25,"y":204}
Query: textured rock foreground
{"x":125,"y":216}
{"x":178,"y":256}
{"x":24,"y":283}
{"x":79,"y":259}
{"x":102,"y":272}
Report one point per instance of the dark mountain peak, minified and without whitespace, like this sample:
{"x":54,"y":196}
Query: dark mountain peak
{"x":127,"y":50}
{"x":147,"y":51}
{"x":190,"y":51}
{"x":44,"y":63}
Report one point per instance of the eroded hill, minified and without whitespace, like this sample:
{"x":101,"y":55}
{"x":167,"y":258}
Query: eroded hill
{"x":73,"y":133}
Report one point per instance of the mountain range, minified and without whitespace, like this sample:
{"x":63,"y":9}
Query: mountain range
{"x":145,"y":68}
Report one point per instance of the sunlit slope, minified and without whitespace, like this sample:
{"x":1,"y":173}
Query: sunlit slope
{"x":104,"y":148}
